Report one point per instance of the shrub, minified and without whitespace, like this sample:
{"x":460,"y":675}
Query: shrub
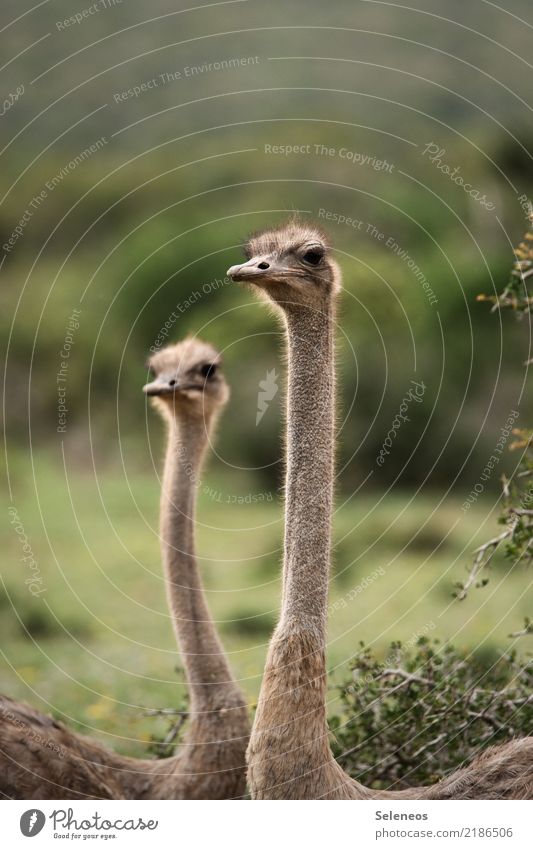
{"x":517,"y":495}
{"x":423,"y":713}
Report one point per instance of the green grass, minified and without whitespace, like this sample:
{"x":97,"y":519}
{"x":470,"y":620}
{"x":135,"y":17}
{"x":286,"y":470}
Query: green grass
{"x":97,"y":647}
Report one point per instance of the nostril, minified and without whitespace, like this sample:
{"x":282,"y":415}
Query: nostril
{"x":263,"y":266}
{"x":172,"y":383}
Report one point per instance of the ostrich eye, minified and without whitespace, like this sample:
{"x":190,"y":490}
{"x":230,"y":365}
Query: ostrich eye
{"x":208,"y":370}
{"x":313,"y":256}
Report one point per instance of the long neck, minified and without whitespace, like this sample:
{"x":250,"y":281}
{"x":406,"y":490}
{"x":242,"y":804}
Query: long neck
{"x":207,"y":671}
{"x":289,"y":755}
{"x":309,"y":474}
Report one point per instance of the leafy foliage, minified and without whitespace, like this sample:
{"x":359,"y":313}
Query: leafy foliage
{"x":166,"y":738}
{"x":422,"y":713}
{"x":517,"y":500}
{"x":163,"y":744}
{"x":516,"y":515}
{"x":516,"y":294}
{"x":518,"y":503}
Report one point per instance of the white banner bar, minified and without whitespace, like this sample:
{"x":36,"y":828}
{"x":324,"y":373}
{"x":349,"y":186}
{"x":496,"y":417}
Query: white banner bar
{"x":268,"y":825}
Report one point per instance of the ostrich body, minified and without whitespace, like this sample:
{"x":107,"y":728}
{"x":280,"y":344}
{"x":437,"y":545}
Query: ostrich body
{"x":289,"y":756}
{"x":42,"y":759}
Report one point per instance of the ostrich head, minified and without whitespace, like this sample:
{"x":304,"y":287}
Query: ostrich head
{"x":291,"y":264}
{"x":187,"y":379}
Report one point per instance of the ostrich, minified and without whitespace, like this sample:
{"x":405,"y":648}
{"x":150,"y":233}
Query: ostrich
{"x":42,"y":759}
{"x":189,"y":391}
{"x":289,"y":755}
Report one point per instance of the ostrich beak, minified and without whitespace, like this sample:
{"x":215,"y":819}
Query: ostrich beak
{"x":158,"y":387}
{"x":255,"y":268}
{"x":164,"y":387}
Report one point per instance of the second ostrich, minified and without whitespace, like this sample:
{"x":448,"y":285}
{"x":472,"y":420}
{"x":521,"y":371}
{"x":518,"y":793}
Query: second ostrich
{"x":289,"y":755}
{"x":189,"y":391}
{"x":42,"y":759}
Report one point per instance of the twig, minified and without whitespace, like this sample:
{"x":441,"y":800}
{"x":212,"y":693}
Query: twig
{"x":482,"y":560}
{"x":401,"y":673}
{"x":485,"y":717}
{"x":525,"y":632}
{"x":416,"y":755}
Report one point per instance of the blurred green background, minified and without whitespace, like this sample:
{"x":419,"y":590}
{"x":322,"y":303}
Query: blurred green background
{"x":144,"y":227}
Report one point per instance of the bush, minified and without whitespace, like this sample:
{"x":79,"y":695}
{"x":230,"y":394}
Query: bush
{"x":421,"y":714}
{"x":517,"y":496}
